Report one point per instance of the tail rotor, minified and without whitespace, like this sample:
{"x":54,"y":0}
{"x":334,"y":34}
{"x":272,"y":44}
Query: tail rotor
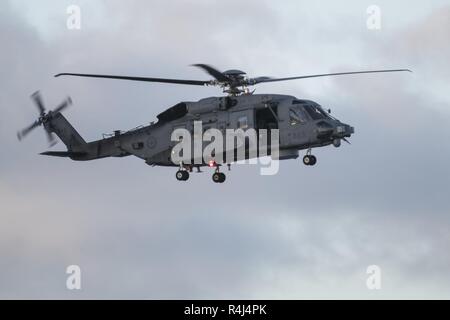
{"x":44,"y":118}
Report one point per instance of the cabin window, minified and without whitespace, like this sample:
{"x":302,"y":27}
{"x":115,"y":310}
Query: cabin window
{"x":242,"y":122}
{"x":296,"y":116}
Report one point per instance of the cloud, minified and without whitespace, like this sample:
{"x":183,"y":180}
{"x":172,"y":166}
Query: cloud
{"x":304,"y":233}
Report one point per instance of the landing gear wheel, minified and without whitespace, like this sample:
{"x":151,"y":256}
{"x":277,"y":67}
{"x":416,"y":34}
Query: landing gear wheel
{"x":309,"y":160}
{"x":182,"y":175}
{"x":219,"y":177}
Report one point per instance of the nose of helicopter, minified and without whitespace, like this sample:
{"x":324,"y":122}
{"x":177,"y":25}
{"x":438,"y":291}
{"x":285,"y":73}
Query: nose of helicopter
{"x":334,"y":129}
{"x":343,"y":130}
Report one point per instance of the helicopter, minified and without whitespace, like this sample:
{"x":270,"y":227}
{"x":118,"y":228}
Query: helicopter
{"x":302,"y":124}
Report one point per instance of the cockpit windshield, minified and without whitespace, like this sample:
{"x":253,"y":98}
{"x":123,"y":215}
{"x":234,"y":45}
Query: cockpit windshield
{"x":312,"y":109}
{"x":316,"y":112}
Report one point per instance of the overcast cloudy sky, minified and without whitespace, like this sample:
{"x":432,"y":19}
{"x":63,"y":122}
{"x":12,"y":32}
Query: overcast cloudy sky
{"x":307,"y":232}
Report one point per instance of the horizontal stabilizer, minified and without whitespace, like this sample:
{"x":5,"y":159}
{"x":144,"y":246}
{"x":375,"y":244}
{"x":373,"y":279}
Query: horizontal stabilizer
{"x":64,"y":154}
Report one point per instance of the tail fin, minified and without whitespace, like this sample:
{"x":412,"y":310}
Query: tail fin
{"x":64,"y":130}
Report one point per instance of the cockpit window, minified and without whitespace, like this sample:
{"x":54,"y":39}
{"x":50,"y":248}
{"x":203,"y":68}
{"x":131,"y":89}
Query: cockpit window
{"x":315,"y":112}
{"x":296,"y":116}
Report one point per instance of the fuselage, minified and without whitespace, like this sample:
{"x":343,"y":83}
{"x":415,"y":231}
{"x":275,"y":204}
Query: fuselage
{"x":302,"y":124}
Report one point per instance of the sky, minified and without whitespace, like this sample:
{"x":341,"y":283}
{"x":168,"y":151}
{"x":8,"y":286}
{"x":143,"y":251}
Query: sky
{"x":305,"y":233}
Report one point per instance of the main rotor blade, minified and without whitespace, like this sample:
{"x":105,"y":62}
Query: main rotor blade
{"x":261,"y":80}
{"x":21,"y":134}
{"x":162,"y":80}
{"x":38,"y":100}
{"x":63,"y":105}
{"x":219,"y":76}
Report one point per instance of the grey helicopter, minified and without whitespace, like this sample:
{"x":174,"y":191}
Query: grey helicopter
{"x":302,"y":124}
